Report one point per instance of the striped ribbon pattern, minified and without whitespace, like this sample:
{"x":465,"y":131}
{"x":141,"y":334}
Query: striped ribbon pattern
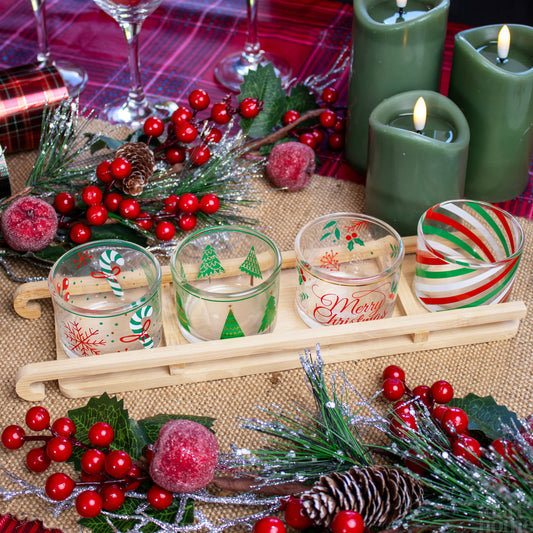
{"x":467,"y":256}
{"x":137,"y":326}
{"x":108,"y":257}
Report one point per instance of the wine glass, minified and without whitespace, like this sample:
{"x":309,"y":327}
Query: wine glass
{"x":74,"y":77}
{"x":130,"y":14}
{"x":231,"y":70}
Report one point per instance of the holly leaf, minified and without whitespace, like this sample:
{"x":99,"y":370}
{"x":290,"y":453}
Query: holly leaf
{"x":350,"y":245}
{"x":107,"y":524}
{"x":485,"y":415}
{"x":50,"y":254}
{"x":128,"y":436}
{"x":359,"y":241}
{"x":117,"y":231}
{"x":300,"y":99}
{"x":150,"y":426}
{"x":264,"y":85}
{"x":104,"y":142}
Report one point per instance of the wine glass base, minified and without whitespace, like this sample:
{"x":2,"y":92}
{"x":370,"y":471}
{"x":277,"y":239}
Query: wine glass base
{"x":129,"y":113}
{"x":74,"y":77}
{"x":232,"y":69}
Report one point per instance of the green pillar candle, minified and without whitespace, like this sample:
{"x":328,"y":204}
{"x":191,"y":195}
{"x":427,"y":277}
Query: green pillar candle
{"x":409,"y":171}
{"x":390,"y":54}
{"x":497,"y":100}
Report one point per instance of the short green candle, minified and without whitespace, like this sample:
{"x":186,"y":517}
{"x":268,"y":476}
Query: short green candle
{"x":388,"y":58}
{"x":497,"y":100}
{"x":409,"y":171}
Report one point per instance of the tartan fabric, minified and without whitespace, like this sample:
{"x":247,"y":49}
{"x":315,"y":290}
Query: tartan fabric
{"x":24,"y":93}
{"x":9,"y":524}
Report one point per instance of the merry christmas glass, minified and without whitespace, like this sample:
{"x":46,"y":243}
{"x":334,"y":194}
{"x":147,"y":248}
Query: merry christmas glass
{"x":467,"y":255}
{"x":107,"y":298}
{"x":226,"y":282}
{"x":348,"y":269}
{"x":130,"y":14}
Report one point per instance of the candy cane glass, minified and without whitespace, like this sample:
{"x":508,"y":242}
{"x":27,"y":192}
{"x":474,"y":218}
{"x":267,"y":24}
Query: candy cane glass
{"x":107,"y":298}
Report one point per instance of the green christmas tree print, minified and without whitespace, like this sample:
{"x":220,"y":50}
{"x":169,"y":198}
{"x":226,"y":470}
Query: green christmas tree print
{"x":231,"y":327}
{"x":270,"y":314}
{"x":182,"y":317}
{"x":251,"y":266}
{"x":210,"y":263}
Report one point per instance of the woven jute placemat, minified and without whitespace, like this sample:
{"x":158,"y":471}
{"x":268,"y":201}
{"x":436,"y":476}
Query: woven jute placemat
{"x":502,"y":369}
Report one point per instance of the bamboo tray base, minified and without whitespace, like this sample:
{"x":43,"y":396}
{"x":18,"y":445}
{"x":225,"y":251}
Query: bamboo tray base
{"x":175,"y":361}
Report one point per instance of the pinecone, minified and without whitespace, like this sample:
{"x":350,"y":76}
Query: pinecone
{"x":378,"y":493}
{"x":142,"y":167}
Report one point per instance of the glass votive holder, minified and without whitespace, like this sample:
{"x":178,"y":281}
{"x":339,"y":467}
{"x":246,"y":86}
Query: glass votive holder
{"x":107,"y":298}
{"x":467,"y":255}
{"x":226,"y":282}
{"x":348,"y":268}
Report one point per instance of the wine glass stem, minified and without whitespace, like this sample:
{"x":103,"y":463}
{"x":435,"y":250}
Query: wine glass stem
{"x":39,"y":10}
{"x":252,"y":48}
{"x":131,"y":32}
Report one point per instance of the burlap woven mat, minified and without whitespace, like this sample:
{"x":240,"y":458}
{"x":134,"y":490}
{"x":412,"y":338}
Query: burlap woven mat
{"x":502,"y":369}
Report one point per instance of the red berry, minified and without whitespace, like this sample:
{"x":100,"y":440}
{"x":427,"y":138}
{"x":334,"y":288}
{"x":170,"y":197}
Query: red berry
{"x":153,"y":127}
{"x":269,"y":524}
{"x":505,"y":448}
{"x":347,"y":522}
{"x":422,"y":392}
{"x":117,"y":463}
{"x":400,"y":426}
{"x":393,"y":371}
{"x":59,"y":449}
{"x":290,"y":116}
{"x":93,"y":478}
{"x":330,"y":95}
{"x":213,"y":136}
{"x":441,"y":391}
{"x":468,"y":448}
{"x":308,"y":139}
{"x":93,"y":461}
{"x":454,"y":421}
{"x":188,"y":203}
{"x":209,"y":203}
{"x":145,"y":221}
{"x":64,"y":427}
{"x":340,"y":125}
{"x":112,"y":497}
{"x":89,"y":504}
{"x":120,"y":168}
{"x":393,"y":389}
{"x":80,"y":233}
{"x":187,"y":222}
{"x":59,"y":486}
{"x":335,"y":141}
{"x":175,"y":154}
{"x":199,"y":99}
{"x":13,"y":437}
{"x":250,"y":107}
{"x":101,"y":434}
{"x":295,"y":515}
{"x":438,"y":412}
{"x":64,"y":203}
{"x":112,"y":201}
{"x":129,"y":208}
{"x":158,"y":497}
{"x":182,"y":114}
{"x":37,"y":460}
{"x":91,"y":195}
{"x":220,"y":114}
{"x":165,"y":230}
{"x":96,"y":215}
{"x":327,"y":118}
{"x":103,"y":172}
{"x":170,"y":204}
{"x":403,"y":409}
{"x":318,"y":135}
{"x":200,"y":155}
{"x":37,"y":418}
{"x":135,"y":473}
{"x":186,"y":132}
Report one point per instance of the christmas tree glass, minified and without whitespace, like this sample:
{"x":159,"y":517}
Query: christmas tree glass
{"x":232,"y":69}
{"x":226,"y":282}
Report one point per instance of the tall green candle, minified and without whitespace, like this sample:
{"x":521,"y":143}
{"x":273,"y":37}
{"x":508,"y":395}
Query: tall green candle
{"x":410,"y":170}
{"x":496,"y":97}
{"x":390,"y":54}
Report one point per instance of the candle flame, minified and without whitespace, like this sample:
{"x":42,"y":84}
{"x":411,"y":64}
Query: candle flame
{"x":504,"y":41}
{"x":401,"y":3}
{"x":420,"y":114}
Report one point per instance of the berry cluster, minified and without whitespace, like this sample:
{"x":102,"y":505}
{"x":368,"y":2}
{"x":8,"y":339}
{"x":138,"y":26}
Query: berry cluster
{"x":112,"y":472}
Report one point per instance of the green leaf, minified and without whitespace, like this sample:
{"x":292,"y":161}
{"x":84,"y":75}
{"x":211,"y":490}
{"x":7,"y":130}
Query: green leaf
{"x":264,"y":85}
{"x":50,"y":254}
{"x":485,"y":415}
{"x":325,"y":236}
{"x":301,"y":100}
{"x":350,"y":245}
{"x":337,"y":233}
{"x":128,"y":436}
{"x":329,"y":224}
{"x":150,"y":426}
{"x":105,"y":142}
{"x":359,"y":241}
{"x":117,"y":231}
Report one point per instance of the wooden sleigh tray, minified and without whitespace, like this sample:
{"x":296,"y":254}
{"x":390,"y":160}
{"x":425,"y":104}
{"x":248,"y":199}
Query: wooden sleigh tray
{"x":175,"y":361}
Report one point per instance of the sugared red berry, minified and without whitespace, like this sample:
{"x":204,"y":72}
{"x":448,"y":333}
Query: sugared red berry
{"x":188,"y":203}
{"x":468,"y":448}
{"x":91,"y":195}
{"x":59,"y":486}
{"x":220,"y":113}
{"x":112,"y":497}
{"x":175,"y":154}
{"x":37,"y":460}
{"x":335,"y":141}
{"x":112,"y":201}
{"x":117,"y":463}
{"x":422,"y":393}
{"x":145,"y":221}
{"x":103,"y":172}
{"x":80,"y":233}
{"x":64,"y":203}
{"x":158,"y":497}
{"x":209,"y":203}
{"x":165,"y":230}
{"x":187,"y":222}
{"x":37,"y":418}
{"x":170,"y":203}
{"x":441,"y":392}
{"x":347,"y":522}
{"x":64,"y":427}
{"x":308,"y":139}
{"x":290,"y":116}
{"x":186,"y":132}
{"x":92,"y":461}
{"x":96,"y":215}
{"x":59,"y":449}
{"x":393,"y":389}
{"x":101,"y":434}
{"x":250,"y":107}
{"x":454,"y":421}
{"x":153,"y":127}
{"x":89,"y":504}
{"x":327,"y":118}
{"x":269,"y":524}
{"x":199,"y":99}
{"x":200,"y":155}
{"x":213,"y":136}
{"x":182,"y":114}
{"x":295,"y":515}
{"x":13,"y":437}
{"x":120,"y":168}
{"x":330,"y":95}
{"x":393,"y":371}
{"x":129,"y":208}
